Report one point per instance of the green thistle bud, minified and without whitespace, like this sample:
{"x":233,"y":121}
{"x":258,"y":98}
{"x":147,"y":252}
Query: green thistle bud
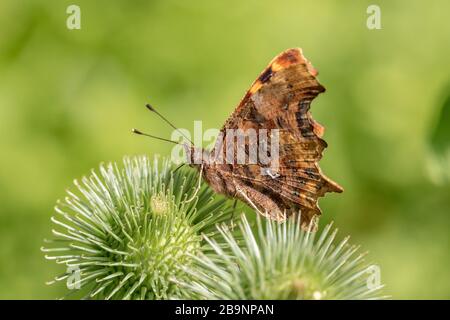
{"x":127,"y":232}
{"x":281,"y":261}
{"x":143,"y":231}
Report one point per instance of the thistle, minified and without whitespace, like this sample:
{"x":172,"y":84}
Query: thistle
{"x":281,"y":261}
{"x":126,"y":232}
{"x":146,"y":231}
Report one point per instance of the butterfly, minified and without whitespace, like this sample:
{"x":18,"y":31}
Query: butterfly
{"x":279,"y":99}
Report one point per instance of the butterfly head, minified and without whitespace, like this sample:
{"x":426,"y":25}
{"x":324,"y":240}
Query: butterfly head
{"x":195,"y":156}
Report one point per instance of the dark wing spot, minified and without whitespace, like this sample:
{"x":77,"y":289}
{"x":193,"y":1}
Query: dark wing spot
{"x":266,"y":75}
{"x":303,"y":105}
{"x":258,"y":117}
{"x":323,"y":143}
{"x":249,"y":174}
{"x":289,"y":57}
{"x":280,"y":122}
{"x":311,"y":173}
{"x":301,"y":116}
{"x":306,"y":132}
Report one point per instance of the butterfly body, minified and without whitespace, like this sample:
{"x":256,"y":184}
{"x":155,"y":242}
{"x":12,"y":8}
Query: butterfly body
{"x":223,"y":180}
{"x":279,"y":99}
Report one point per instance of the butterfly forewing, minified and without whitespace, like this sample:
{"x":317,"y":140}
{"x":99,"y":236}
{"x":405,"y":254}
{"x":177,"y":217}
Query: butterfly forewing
{"x":280,"y":98}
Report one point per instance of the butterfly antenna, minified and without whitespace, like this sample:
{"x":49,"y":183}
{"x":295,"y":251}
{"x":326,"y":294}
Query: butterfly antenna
{"x":136,"y":131}
{"x":149,"y":107}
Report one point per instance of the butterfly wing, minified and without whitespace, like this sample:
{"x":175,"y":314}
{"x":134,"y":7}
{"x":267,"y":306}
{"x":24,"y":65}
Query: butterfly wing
{"x":280,"y":98}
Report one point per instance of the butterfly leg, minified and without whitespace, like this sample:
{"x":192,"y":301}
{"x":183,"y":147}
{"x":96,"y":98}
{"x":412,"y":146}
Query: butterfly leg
{"x":260,"y":202}
{"x":179,"y":167}
{"x":198,"y":187}
{"x":234,"y":208}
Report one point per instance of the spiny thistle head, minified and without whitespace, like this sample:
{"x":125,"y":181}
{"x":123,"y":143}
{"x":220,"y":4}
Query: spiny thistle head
{"x":126,"y":232}
{"x":281,"y":261}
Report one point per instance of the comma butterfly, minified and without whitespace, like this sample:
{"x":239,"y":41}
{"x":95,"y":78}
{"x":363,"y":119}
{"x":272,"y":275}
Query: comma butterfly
{"x":279,"y":100}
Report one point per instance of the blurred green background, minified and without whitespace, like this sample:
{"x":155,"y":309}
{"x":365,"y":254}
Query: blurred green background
{"x":68,"y":99}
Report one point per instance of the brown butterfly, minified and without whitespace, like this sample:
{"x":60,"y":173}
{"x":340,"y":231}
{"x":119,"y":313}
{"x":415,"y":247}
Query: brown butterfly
{"x":279,"y":100}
